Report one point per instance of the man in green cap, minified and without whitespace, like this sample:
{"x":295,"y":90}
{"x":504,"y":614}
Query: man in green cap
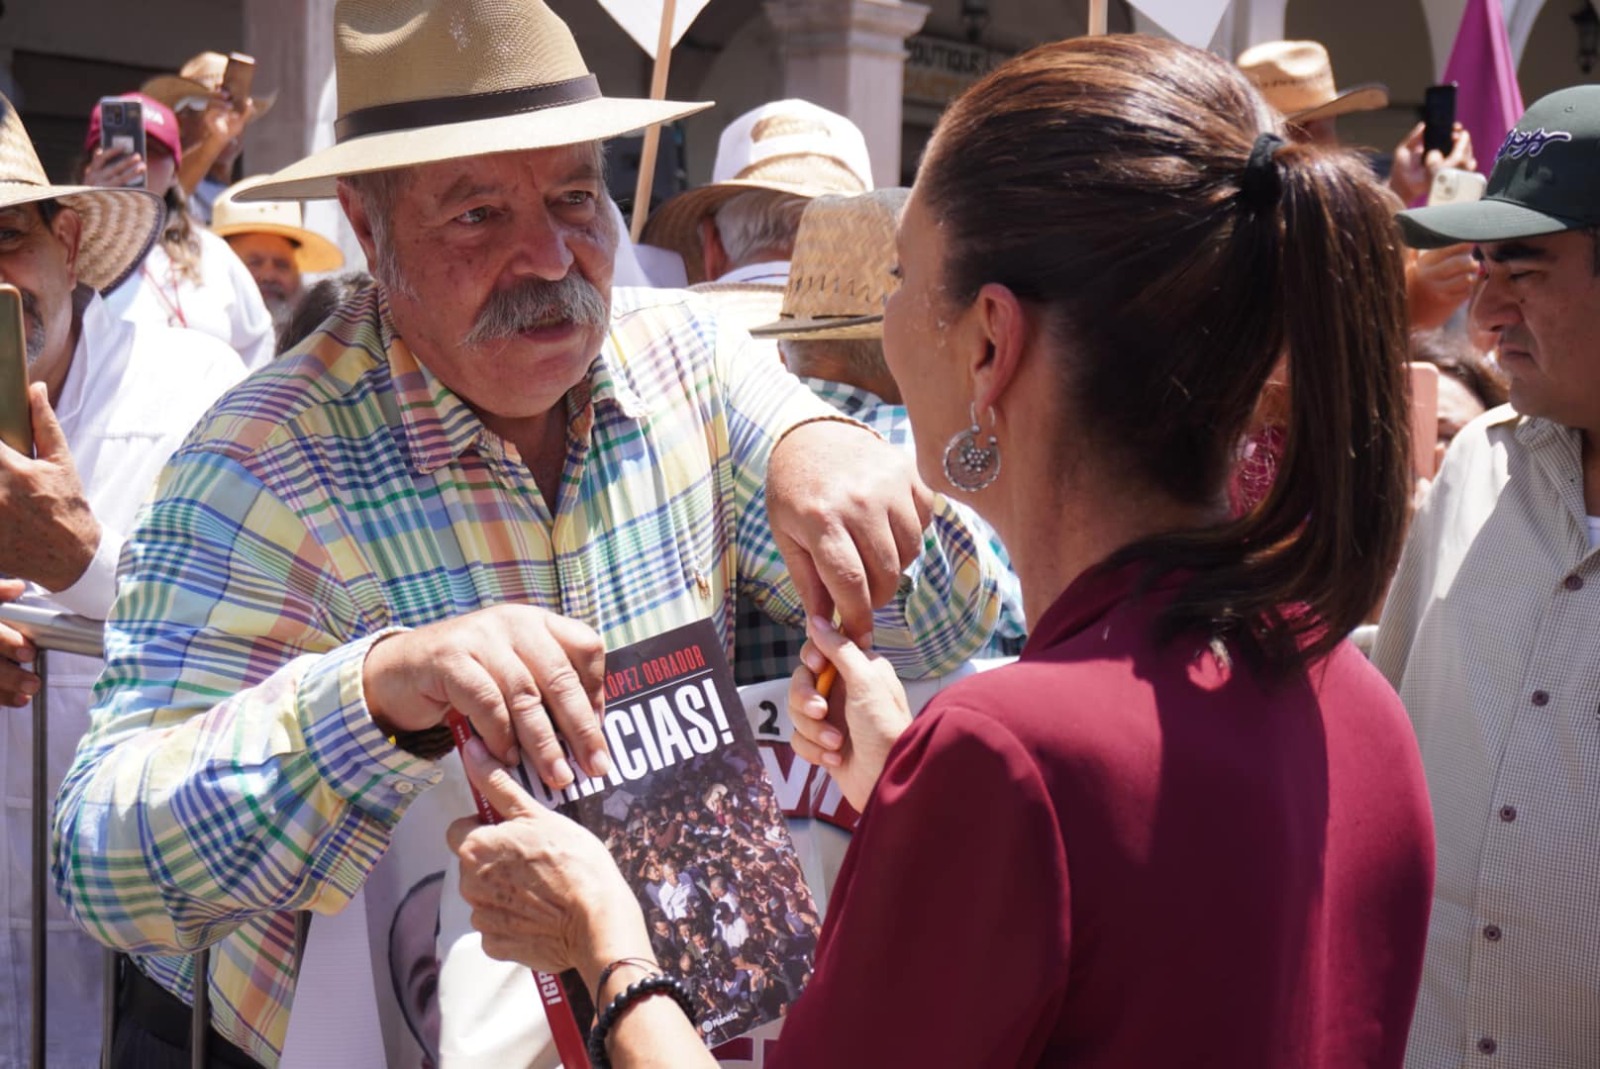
{"x":1490,"y":630}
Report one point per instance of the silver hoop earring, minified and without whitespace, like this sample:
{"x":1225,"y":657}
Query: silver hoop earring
{"x":968,"y":465}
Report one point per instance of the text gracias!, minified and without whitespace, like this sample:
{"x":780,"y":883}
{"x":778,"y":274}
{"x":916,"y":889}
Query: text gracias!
{"x":681,"y":720}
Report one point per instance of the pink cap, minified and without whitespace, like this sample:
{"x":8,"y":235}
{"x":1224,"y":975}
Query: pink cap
{"x":160,"y":124}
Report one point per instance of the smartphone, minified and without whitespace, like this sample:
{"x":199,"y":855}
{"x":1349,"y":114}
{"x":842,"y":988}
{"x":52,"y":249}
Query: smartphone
{"x":1424,"y":383}
{"x":1439,"y":118}
{"x":1452,"y":185}
{"x":16,"y":424}
{"x":122,"y":127}
{"x":238,"y":77}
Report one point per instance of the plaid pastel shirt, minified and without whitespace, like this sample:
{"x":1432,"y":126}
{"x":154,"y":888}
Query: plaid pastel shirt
{"x":232,"y":774}
{"x":767,"y":638}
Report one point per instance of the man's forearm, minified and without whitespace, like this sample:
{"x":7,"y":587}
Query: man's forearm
{"x":175,"y":824}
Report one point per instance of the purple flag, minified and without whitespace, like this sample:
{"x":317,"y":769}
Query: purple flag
{"x":1488,"y":102}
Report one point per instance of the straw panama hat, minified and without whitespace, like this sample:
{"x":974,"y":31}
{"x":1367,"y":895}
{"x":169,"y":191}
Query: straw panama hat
{"x":789,"y":146}
{"x":422,"y":81}
{"x":119,"y":225}
{"x":839,"y":278}
{"x":200,"y":77}
{"x":313,"y":252}
{"x":1296,"y":77}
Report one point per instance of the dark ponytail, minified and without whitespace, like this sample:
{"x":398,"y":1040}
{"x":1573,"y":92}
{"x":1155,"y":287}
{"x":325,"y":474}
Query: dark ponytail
{"x":1123,"y":183}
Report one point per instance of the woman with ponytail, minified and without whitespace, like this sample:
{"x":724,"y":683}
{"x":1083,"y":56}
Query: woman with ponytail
{"x":1189,"y":826}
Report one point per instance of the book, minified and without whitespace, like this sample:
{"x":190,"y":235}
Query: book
{"x":696,"y":828}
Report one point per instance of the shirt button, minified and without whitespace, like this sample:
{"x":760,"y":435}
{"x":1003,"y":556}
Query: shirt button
{"x":1491,"y":932}
{"x":1508,"y":813}
{"x":1541,"y":697}
{"x":1573,"y":582}
{"x":403,"y":787}
{"x":1486,"y":1045}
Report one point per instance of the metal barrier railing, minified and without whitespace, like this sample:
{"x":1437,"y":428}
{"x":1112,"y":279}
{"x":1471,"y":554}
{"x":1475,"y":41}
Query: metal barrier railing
{"x":59,"y":632}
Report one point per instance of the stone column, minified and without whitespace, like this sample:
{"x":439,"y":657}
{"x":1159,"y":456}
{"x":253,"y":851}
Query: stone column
{"x":292,"y":41}
{"x":849,"y":56}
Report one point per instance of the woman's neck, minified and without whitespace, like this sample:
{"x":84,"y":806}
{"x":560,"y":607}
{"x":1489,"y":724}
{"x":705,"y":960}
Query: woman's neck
{"x":1055,"y":533}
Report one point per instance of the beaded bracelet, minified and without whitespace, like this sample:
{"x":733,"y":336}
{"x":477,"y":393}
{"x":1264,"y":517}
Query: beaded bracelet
{"x":659,"y":984}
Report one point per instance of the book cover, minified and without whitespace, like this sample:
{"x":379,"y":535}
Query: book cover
{"x":696,"y":828}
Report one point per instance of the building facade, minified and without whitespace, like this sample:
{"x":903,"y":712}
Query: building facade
{"x":891,"y":65}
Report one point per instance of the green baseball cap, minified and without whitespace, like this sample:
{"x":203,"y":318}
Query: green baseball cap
{"x":1546,"y":179}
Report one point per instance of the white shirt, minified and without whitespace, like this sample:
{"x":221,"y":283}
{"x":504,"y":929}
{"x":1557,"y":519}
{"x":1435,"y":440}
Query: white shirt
{"x":130,"y":396}
{"x":226,"y":304}
{"x":675,"y":899}
{"x":1491,"y":634}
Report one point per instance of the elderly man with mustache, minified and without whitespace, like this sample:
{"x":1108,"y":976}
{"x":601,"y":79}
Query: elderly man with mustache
{"x":462,"y":489}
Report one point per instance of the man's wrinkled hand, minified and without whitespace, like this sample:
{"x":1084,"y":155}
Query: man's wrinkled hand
{"x":520,"y":674}
{"x":847,"y":512}
{"x":49,"y":535}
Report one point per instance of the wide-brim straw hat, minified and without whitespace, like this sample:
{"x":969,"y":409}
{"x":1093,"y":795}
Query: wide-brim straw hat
{"x":119,"y":225}
{"x":787,"y":146}
{"x":840,"y":276}
{"x":422,"y":81}
{"x":200,"y":77}
{"x":1296,"y":78}
{"x":313,"y":253}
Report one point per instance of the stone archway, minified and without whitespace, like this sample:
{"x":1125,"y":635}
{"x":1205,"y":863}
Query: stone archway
{"x":1387,"y":41}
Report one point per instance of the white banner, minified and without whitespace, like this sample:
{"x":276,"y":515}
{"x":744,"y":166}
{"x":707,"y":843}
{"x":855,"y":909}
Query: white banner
{"x":1194,"y":22}
{"x":642,"y":19}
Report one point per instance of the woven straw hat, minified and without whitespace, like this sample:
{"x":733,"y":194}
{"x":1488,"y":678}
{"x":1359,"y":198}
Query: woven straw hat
{"x":839,"y":278}
{"x":422,"y":81}
{"x":119,"y":225}
{"x":1296,"y":77}
{"x":200,"y":77}
{"x":790,"y":146}
{"x":312,"y":253}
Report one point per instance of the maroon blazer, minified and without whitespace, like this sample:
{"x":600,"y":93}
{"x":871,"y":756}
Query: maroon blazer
{"x":1120,"y":853}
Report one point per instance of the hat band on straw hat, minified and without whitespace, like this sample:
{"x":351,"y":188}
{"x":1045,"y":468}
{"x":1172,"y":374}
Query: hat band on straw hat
{"x":443,"y":111}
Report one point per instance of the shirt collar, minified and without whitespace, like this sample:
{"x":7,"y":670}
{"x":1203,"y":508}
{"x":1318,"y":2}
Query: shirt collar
{"x":98,"y":344}
{"x":850,"y":400}
{"x":1089,"y":598}
{"x":436,"y":426}
{"x":772,"y":273}
{"x":1534,"y":431}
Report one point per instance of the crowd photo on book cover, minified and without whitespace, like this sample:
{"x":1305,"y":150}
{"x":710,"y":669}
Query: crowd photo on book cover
{"x":707,"y":852}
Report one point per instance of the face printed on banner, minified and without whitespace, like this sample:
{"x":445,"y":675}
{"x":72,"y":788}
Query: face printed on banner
{"x":414,"y":961}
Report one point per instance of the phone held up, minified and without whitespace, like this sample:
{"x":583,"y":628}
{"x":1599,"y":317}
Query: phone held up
{"x":1423,"y":383}
{"x":16,"y":424}
{"x":1439,"y":118}
{"x":1452,"y":185}
{"x":237,"y":78}
{"x":122,"y":129}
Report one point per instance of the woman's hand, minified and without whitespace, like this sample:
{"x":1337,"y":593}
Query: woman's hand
{"x":1412,"y":170}
{"x":114,"y":168}
{"x":1439,"y":282}
{"x":543,"y":890}
{"x":850,"y":732}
